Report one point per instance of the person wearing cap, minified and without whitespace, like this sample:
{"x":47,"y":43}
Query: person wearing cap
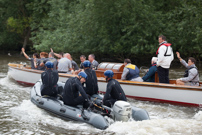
{"x":49,"y":80}
{"x":130,"y":72}
{"x":150,"y":75}
{"x":74,"y":94}
{"x":91,"y":83}
{"x":114,"y":91}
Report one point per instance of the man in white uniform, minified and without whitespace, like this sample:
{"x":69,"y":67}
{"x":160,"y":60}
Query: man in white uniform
{"x":165,"y":57}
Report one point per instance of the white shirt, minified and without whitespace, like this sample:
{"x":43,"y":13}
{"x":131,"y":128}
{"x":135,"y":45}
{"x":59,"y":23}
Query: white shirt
{"x":165,"y":61}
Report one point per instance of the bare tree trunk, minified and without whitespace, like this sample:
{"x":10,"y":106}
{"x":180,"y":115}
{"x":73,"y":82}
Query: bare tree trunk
{"x":26,"y":38}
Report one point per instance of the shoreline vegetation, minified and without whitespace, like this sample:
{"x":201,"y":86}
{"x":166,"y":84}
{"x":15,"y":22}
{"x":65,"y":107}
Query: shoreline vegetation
{"x":112,"y":30}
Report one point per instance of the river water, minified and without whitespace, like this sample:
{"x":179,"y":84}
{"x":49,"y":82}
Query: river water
{"x":19,"y":116}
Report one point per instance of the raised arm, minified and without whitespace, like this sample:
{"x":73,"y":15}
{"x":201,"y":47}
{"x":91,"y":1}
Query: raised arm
{"x":56,"y":54}
{"x":26,"y":56}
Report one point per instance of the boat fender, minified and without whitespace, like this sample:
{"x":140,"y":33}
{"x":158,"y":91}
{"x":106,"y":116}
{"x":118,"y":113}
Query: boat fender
{"x":63,"y":110}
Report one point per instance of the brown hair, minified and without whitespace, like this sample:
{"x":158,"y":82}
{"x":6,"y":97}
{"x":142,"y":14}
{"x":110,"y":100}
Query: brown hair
{"x":163,"y":37}
{"x":127,"y":61}
{"x":192,"y":59}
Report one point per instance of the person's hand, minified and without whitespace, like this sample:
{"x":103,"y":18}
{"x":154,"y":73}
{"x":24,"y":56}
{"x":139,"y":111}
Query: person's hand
{"x":23,"y":50}
{"x":51,"y":49}
{"x":178,"y":55}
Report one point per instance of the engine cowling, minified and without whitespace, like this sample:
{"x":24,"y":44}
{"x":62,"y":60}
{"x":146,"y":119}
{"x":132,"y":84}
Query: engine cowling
{"x":122,"y":111}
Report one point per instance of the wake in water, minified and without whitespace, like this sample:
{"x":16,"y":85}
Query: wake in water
{"x":165,"y":119}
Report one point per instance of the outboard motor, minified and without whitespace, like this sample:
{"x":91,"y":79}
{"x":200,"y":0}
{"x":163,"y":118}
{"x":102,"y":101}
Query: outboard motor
{"x":122,"y":111}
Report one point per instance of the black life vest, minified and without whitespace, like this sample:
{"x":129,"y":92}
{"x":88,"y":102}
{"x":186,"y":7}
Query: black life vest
{"x":186,"y":73}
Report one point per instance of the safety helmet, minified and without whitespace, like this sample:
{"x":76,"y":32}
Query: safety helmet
{"x":86,"y":63}
{"x":49,"y":64}
{"x":83,"y":74}
{"x":109,"y":73}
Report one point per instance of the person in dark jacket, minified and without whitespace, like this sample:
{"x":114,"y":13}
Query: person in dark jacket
{"x":74,"y":94}
{"x":114,"y":91}
{"x":91,"y":83}
{"x":150,"y":75}
{"x":49,"y":80}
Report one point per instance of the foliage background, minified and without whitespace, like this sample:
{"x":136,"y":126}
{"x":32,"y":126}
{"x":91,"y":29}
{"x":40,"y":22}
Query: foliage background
{"x":111,"y":29}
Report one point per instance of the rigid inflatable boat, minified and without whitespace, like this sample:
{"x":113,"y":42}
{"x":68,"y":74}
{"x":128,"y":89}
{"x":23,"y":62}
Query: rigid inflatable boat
{"x":100,"y":118}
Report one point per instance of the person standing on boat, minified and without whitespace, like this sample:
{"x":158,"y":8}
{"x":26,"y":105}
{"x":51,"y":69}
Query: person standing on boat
{"x":165,"y":57}
{"x":114,"y":91}
{"x":82,"y":59}
{"x":91,"y":83}
{"x":52,"y":59}
{"x":49,"y":80}
{"x":34,"y":59}
{"x":42,"y":61}
{"x":74,"y":64}
{"x":94,"y":63}
{"x":65,"y":65}
{"x":130,"y":72}
{"x":150,"y":75}
{"x":74,"y":94}
{"x":191,"y":76}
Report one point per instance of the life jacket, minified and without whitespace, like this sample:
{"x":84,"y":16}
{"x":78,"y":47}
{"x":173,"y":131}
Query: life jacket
{"x":186,"y":73}
{"x":49,"y":83}
{"x":133,"y":72}
{"x":166,"y":44}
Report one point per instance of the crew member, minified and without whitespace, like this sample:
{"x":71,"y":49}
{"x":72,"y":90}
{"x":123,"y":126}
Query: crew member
{"x":114,"y":91}
{"x":49,"y":80}
{"x":74,"y":94}
{"x":130,"y":72}
{"x":191,"y":76}
{"x":91,"y":83}
{"x":165,"y":57}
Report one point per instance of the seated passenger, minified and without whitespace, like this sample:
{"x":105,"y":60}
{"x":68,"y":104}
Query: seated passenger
{"x":130,"y":72}
{"x":49,"y":80}
{"x":114,"y":91}
{"x":191,"y":76}
{"x":150,"y":75}
{"x":74,"y":94}
{"x":91,"y":83}
{"x":34,"y":59}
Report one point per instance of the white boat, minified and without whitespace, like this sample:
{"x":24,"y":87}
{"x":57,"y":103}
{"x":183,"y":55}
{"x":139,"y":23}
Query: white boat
{"x":165,"y":93}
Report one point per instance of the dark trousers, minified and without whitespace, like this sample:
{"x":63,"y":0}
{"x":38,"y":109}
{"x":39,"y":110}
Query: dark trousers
{"x":163,"y":74}
{"x":110,"y":102}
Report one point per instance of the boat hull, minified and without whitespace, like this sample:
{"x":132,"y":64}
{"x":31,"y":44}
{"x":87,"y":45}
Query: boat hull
{"x":164,"y":93}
